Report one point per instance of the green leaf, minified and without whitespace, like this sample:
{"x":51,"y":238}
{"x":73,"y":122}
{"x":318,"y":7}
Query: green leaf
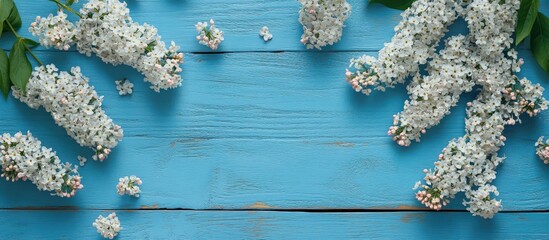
{"x":527,"y":16}
{"x":540,"y":41}
{"x":20,"y":67}
{"x":396,"y":4}
{"x":30,"y":43}
{"x":69,"y":2}
{"x":5,"y":9}
{"x":5,"y":83}
{"x":14,"y":19}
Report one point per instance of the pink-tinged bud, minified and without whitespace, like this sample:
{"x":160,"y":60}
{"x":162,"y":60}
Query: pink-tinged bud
{"x":198,"y":37}
{"x":469,"y":104}
{"x":423,"y":131}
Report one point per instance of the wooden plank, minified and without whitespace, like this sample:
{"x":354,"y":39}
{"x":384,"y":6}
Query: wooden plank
{"x":264,"y":130}
{"x":274,"y":225}
{"x":367,"y":28}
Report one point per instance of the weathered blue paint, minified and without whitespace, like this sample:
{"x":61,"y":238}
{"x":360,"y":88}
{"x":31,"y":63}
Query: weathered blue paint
{"x":262,"y":126}
{"x":224,"y":225}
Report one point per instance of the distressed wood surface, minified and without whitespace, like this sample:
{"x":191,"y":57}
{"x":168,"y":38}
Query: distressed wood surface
{"x":275,"y":225}
{"x":265,"y":126}
{"x":366,"y":30}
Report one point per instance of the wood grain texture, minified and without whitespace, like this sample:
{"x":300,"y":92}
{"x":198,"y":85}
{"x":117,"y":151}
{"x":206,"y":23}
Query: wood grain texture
{"x":263,"y":126}
{"x":274,"y":128}
{"x":367,"y":29}
{"x":274,"y":225}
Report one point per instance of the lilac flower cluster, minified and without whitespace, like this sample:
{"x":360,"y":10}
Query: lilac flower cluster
{"x":483,"y":58}
{"x":107,"y":30}
{"x":74,"y":105}
{"x":24,"y":158}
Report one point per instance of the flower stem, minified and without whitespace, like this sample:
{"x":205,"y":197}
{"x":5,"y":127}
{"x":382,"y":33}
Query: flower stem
{"x":32,"y":54}
{"x":62,"y":5}
{"x":13,"y":30}
{"x":19,"y":38}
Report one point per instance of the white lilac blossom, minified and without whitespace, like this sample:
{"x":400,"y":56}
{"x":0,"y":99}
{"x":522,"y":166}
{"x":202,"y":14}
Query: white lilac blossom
{"x":432,"y":96}
{"x":129,"y":185}
{"x":542,"y":150}
{"x":107,"y":30}
{"x":74,"y":105}
{"x":109,"y":226}
{"x":481,"y":201}
{"x":210,"y":37}
{"x":24,"y":158}
{"x":468,"y":164}
{"x":415,"y":41}
{"x":491,"y":24}
{"x":54,"y":31}
{"x":323,"y":21}
{"x":124,"y":87}
{"x":265,"y":34}
{"x":483,"y":58}
{"x":81,"y":160}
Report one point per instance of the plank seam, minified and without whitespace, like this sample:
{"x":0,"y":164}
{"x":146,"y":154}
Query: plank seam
{"x":228,"y":52}
{"x":261,"y":210}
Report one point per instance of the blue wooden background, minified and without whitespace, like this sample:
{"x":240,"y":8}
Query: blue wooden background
{"x":263,"y":141}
